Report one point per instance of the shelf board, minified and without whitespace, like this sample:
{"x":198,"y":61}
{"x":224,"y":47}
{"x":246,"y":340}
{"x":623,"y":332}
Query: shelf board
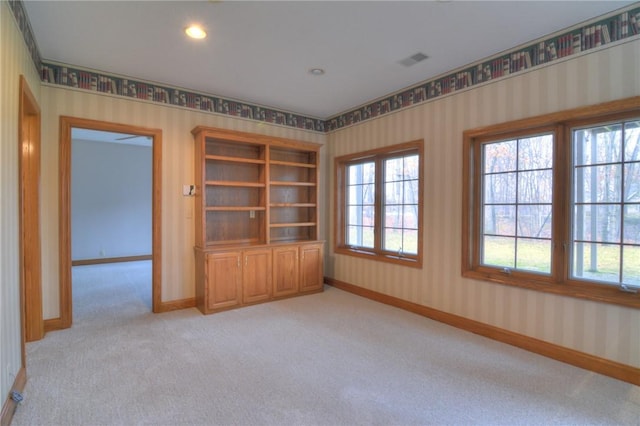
{"x":234,"y":183}
{"x":246,"y":241}
{"x":292,"y":205}
{"x":292,"y":164}
{"x":234,"y":208}
{"x":234,"y":159}
{"x":291,"y":224}
{"x":285,"y":183}
{"x":290,"y":239}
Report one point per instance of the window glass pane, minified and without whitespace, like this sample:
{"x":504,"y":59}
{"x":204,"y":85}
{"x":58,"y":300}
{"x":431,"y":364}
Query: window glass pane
{"x":392,"y":239}
{"x":355,"y":174}
{"x":355,"y":195}
{"x":362,"y":194}
{"x":361,"y":173}
{"x":631,"y":265}
{"x":355,"y":215}
{"x":498,"y":251}
{"x":410,"y":216}
{"x":500,"y":188}
{"x":361,"y":215}
{"x":534,"y":255}
{"x":595,"y":261}
{"x":360,"y":236}
{"x":500,"y":156}
{"x":393,"y":216}
{"x":411,"y":167}
{"x":632,"y":182}
{"x":393,"y":193}
{"x":598,"y":223}
{"x":352,"y":175}
{"x":369,"y":172}
{"x":401,"y":241}
{"x":597,"y":145}
{"x":632,"y":141}
{"x":535,"y":153}
{"x":410,"y":191}
{"x":368,"y":194}
{"x":534,"y":221}
{"x":632,"y":224}
{"x":410,"y":241}
{"x":500,"y":220}
{"x":393,"y":170}
{"x":597,"y":184}
{"x":535,"y":187}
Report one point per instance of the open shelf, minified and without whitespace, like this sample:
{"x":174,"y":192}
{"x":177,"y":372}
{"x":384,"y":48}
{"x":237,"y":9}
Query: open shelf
{"x":254,"y":188}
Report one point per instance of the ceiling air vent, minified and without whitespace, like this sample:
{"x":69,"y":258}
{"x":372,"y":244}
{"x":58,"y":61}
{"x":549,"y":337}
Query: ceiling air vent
{"x":414,"y":59}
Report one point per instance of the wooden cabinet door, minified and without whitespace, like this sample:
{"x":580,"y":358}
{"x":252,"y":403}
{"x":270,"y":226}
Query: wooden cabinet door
{"x":285,"y":270}
{"x":224,"y":278}
{"x":311,"y":267}
{"x":256,"y":275}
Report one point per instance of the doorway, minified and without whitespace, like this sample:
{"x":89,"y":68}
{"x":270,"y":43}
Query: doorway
{"x":67,"y":126}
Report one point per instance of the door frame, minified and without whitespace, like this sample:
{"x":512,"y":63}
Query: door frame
{"x":29,"y":217}
{"x":64,"y":197}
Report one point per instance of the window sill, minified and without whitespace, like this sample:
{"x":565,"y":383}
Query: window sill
{"x":398,"y":260}
{"x":571,"y":288}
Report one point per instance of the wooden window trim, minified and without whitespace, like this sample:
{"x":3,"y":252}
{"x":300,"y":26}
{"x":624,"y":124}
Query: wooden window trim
{"x":559,"y":281}
{"x":376,"y":253}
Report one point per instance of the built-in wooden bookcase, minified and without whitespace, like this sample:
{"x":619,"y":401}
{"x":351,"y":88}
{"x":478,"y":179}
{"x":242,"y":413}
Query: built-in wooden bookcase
{"x":254,"y":193}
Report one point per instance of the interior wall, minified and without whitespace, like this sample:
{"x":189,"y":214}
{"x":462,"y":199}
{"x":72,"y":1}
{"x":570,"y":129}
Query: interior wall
{"x":604,"y":330}
{"x":14,"y":61}
{"x":178,"y":279}
{"x":111,"y":200}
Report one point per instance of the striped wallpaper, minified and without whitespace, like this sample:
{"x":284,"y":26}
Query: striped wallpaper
{"x":604,"y":330}
{"x":15,"y":59}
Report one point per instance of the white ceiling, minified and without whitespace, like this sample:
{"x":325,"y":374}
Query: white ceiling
{"x":260,"y":51}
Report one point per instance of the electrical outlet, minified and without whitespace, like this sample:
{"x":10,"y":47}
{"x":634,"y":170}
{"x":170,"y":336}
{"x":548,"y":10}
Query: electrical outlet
{"x":252,"y":214}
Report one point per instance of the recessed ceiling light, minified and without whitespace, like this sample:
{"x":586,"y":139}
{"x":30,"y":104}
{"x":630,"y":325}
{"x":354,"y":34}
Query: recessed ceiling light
{"x":316,"y":71}
{"x":195,"y":31}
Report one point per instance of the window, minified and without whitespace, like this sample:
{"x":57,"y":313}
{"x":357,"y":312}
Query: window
{"x":553,"y":203}
{"x":516,"y":200}
{"x":379,"y":208}
{"x":605,"y":203}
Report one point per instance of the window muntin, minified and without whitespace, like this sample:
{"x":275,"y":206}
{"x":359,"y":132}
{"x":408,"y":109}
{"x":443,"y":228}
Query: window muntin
{"x":605,"y":245}
{"x":517,"y":194}
{"x":379,"y":208}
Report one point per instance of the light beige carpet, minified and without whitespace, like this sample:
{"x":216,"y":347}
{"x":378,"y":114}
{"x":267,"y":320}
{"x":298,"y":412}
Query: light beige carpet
{"x":326,"y":359}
